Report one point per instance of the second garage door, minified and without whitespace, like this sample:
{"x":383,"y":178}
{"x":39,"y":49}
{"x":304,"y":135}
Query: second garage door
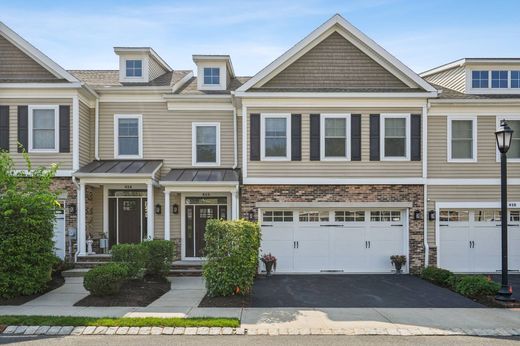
{"x":334,"y":240}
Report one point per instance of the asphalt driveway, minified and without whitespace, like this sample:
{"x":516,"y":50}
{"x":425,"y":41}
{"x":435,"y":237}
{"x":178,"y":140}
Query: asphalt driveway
{"x":354,"y":291}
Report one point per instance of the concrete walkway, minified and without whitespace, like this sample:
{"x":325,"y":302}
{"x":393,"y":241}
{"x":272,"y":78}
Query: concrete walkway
{"x":182,"y":301}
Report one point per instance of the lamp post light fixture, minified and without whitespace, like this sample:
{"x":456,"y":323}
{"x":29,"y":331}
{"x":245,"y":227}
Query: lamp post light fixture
{"x":503,"y":136}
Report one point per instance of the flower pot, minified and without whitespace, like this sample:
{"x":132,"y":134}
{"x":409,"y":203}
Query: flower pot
{"x":268,"y":268}
{"x":398,"y":267}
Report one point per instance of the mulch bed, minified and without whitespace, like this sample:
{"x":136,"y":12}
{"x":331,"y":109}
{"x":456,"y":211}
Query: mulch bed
{"x":235,"y":301}
{"x":56,"y":281}
{"x":132,"y":293}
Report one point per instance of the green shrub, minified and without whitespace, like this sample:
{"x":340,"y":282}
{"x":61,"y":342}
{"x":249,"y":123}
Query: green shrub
{"x":438,"y":276}
{"x":476,"y":286}
{"x":27,"y":205}
{"x":231,"y":256}
{"x":131,"y":255}
{"x":159,"y":256}
{"x":106,"y":279}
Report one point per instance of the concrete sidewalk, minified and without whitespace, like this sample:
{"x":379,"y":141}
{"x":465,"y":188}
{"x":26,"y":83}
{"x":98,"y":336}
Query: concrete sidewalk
{"x":186,"y":292}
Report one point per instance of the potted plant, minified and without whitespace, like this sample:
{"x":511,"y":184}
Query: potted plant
{"x":398,"y":261}
{"x":269,"y":262}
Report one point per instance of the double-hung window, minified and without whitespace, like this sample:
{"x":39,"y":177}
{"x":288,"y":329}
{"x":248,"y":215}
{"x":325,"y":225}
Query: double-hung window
{"x":499,"y":79}
{"x":515,"y":79}
{"x":462,"y":139}
{"x":128,"y":136}
{"x":211,"y":75}
{"x":205,"y":144}
{"x":513,"y":154}
{"x":134,"y":68}
{"x":480,"y":79}
{"x":43,"y":129}
{"x":395,"y":137}
{"x":276,"y":135}
{"x":335,"y":129}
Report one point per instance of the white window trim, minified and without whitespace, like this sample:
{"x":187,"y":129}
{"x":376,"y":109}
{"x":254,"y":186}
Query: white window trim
{"x":142,"y":68}
{"x":219,"y":84}
{"x":212,"y":64}
{"x":405,"y":116}
{"x":139,"y":117}
{"x":348,"y":135}
{"x":507,"y":117}
{"x":56,"y":149}
{"x":265,"y":116}
{"x":473,"y":118}
{"x":490,"y":89}
{"x":194,"y":144}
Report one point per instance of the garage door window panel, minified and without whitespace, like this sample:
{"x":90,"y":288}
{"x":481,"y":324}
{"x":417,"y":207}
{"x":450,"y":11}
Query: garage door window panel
{"x":277,"y":216}
{"x":454,"y":216}
{"x":314,"y":216}
{"x":514,"y":215}
{"x":349,"y":216}
{"x":385,"y":216}
{"x":487,"y":215}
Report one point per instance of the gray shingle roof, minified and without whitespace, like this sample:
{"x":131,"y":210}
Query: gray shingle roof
{"x":101,"y":78}
{"x":190,"y":87}
{"x":453,"y":94}
{"x":119,"y":167}
{"x":202,"y":175}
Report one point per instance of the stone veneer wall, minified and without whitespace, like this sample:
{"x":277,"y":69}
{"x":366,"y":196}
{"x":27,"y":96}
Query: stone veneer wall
{"x":67,"y":190}
{"x":251,"y":194}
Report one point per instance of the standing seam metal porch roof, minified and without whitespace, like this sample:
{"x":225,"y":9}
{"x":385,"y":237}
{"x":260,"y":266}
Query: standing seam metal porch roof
{"x":203,"y":175}
{"x":127,"y":168}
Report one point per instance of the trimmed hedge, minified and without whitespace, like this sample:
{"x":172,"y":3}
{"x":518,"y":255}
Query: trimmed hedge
{"x":27,"y":206}
{"x":158,"y":257}
{"x":438,"y":276}
{"x":475,"y":286}
{"x":105,"y":279}
{"x":231,"y":256}
{"x":133,"y":256}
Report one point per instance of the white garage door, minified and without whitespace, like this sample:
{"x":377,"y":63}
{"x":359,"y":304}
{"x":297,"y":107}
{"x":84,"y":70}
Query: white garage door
{"x":470,"y":240}
{"x":334,"y":240}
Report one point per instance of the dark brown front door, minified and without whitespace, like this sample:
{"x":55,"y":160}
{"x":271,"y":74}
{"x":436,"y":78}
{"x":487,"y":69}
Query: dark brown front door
{"x":129,"y":217}
{"x":202,"y":214}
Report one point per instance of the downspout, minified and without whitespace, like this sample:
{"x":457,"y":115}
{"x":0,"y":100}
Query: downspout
{"x":425,"y":186}
{"x":78,"y":190}
{"x":235,"y":150}
{"x":96,"y":130}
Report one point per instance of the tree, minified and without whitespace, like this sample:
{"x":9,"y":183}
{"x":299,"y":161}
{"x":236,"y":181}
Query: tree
{"x":27,"y":206}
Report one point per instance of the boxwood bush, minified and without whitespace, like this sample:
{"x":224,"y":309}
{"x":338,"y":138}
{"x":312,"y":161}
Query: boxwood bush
{"x":133,"y":256}
{"x":27,"y":205}
{"x":158,"y":257}
{"x":231,"y":256}
{"x":106,"y":279}
{"x":475,"y":286}
{"x":438,"y":276}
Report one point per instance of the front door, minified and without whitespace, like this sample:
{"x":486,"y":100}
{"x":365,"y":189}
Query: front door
{"x":129,"y":217}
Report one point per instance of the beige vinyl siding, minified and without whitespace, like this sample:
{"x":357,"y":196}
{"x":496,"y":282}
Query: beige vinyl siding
{"x":84,"y":134}
{"x":454,"y":78}
{"x":155,"y":70}
{"x":16,"y":65}
{"x":333,"y":169}
{"x":92,"y":125}
{"x":64,"y":160}
{"x":166,"y":134}
{"x":486,"y":165}
{"x":335,"y":63}
{"x":239,"y":141}
{"x":469,"y":193}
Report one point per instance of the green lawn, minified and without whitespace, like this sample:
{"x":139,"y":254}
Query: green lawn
{"x":118,"y":322}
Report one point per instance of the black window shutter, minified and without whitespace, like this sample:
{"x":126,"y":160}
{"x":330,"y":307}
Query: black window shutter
{"x":64,"y":129}
{"x":315,"y":137}
{"x":375,"y":137}
{"x":254,"y":134}
{"x":296,"y":137}
{"x":355,"y":134}
{"x":416,"y":137}
{"x":4,"y":128}
{"x":23,"y":127}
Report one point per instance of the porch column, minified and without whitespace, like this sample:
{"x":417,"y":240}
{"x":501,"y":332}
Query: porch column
{"x":234,"y":204}
{"x":167,"y":211}
{"x":150,"y":211}
{"x":81,"y":236}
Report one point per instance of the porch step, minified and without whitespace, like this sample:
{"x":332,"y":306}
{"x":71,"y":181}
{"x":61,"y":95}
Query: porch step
{"x":185,"y":272}
{"x":88,"y":265}
{"x":186,"y":268}
{"x":74,"y":273}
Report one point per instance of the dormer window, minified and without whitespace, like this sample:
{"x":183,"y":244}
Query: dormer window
{"x":480,"y":79}
{"x":515,"y":79}
{"x":499,"y":79}
{"x":211,"y":75}
{"x":134,"y":68}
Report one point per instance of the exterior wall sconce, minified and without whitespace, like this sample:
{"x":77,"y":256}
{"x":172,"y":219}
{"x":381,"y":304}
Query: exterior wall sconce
{"x":417,"y":215}
{"x":431,"y":215}
{"x":175,"y":209}
{"x":72,"y":209}
{"x":158,"y":209}
{"x":251,"y":215}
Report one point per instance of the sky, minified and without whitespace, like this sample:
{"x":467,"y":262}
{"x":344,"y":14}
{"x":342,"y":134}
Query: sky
{"x":81,"y":34}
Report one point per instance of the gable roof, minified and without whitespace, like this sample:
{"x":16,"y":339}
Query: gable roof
{"x":340,"y":25}
{"x":35,"y":54}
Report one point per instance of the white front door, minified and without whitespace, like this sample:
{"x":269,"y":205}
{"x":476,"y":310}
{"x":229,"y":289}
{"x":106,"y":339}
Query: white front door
{"x":333,"y":240}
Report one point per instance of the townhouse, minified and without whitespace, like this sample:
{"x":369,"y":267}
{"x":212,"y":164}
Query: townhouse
{"x":342,"y":153}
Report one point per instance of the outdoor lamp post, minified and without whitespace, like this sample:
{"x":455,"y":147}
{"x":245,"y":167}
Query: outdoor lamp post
{"x":503,"y":136}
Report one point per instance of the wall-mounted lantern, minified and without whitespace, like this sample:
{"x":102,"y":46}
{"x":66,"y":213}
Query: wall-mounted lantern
{"x":158,"y":209}
{"x":175,"y":209}
{"x":72,"y":209}
{"x":251,"y":215}
{"x":417,"y":215}
{"x":431,"y":215}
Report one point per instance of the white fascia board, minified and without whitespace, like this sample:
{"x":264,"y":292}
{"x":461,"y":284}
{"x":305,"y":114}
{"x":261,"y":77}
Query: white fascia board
{"x":132,"y":89}
{"x":344,"y":24}
{"x":333,"y":181}
{"x":36,"y":54}
{"x":515,"y":101}
{"x":245,"y":94}
{"x":182,"y":81}
{"x":206,"y":106}
{"x":72,"y":85}
{"x":146,"y":50}
{"x":198,"y":188}
{"x":476,"y":182}
{"x":386,"y":103}
{"x":285,"y":205}
{"x":200,"y":57}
